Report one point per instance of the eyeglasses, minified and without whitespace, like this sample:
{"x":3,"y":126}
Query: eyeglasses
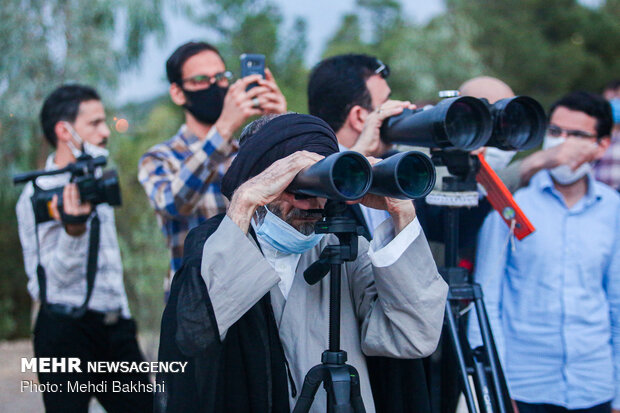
{"x":383,"y":70}
{"x":556,"y":132}
{"x":201,"y":81}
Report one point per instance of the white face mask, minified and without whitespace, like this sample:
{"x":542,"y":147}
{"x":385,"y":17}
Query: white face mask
{"x":563,"y":174}
{"x":497,"y":158}
{"x":87,"y":147}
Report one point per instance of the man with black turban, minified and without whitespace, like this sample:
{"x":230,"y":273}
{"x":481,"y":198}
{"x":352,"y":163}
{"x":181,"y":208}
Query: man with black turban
{"x":240,"y":311}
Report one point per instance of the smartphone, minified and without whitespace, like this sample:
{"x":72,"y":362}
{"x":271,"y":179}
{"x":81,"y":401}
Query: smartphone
{"x":252,"y":64}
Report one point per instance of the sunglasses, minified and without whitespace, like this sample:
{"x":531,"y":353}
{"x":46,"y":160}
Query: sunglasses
{"x":383,"y":70}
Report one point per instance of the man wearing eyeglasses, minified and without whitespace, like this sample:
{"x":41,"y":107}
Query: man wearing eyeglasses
{"x":182,"y":176}
{"x":553,"y":298}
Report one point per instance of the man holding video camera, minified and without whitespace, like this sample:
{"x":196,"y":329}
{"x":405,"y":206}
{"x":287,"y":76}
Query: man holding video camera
{"x":87,"y":319}
{"x":182,"y":176}
{"x":240,"y":310}
{"x":553,"y":299}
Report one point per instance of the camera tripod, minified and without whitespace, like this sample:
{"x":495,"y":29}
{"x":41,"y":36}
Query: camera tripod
{"x":482,"y":363}
{"x":341,"y":381}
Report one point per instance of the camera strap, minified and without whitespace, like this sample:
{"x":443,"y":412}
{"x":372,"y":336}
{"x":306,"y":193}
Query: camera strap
{"x":91,"y":272}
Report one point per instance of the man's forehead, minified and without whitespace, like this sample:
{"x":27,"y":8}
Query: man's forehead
{"x":573,"y":119}
{"x":90,"y":109}
{"x":205,"y":62}
{"x":379,"y":89}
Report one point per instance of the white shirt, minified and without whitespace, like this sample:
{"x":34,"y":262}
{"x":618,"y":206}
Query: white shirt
{"x":385,"y":249}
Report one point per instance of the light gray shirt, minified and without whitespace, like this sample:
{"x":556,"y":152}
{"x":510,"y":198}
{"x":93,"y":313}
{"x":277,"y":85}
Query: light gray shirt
{"x":394,"y":310}
{"x":64,"y":257}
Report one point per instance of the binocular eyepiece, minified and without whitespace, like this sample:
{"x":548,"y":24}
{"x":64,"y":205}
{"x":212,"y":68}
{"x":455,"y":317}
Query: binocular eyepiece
{"x":467,"y":123}
{"x":347,"y":176}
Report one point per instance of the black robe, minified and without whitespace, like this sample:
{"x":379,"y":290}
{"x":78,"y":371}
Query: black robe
{"x":247,"y":372}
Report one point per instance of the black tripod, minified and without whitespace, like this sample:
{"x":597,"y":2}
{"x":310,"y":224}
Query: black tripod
{"x":482,"y":363}
{"x":341,"y":381}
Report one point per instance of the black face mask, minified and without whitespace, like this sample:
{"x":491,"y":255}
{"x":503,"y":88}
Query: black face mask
{"x":206,"y":104}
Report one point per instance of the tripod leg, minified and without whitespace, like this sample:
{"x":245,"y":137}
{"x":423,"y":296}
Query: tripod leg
{"x":356,"y":393}
{"x":313,"y":379}
{"x":453,"y":331}
{"x":500,"y":387}
{"x":485,"y":399}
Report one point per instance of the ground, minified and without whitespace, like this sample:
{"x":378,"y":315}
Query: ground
{"x":14,"y":401}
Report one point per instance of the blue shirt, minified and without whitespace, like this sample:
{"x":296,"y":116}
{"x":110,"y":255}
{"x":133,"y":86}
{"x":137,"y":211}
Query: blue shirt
{"x":554,"y":299}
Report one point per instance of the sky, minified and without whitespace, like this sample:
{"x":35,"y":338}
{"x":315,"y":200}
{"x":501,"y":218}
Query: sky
{"x":323,"y":17}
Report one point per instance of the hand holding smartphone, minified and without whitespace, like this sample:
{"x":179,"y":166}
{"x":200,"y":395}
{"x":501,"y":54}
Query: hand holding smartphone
{"x":252,"y":64}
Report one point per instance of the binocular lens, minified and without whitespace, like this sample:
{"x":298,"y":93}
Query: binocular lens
{"x":350,"y":176}
{"x":343,"y":176}
{"x":414,"y":176}
{"x":519,"y":123}
{"x":464,"y":124}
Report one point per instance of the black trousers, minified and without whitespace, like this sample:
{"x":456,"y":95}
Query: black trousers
{"x":90,"y":339}
{"x":550,"y":408}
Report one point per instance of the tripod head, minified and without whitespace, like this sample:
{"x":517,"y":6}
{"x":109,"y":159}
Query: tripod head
{"x":463,"y":168}
{"x":345,"y":229}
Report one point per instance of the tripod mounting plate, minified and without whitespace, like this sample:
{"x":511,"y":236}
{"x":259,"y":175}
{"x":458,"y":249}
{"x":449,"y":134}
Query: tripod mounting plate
{"x":453,"y":199}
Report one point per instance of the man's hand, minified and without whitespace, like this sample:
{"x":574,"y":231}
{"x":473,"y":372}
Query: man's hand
{"x":402,"y":211}
{"x":369,"y":142}
{"x":267,"y":186}
{"x":239,"y":105}
{"x":71,"y":206}
{"x":574,"y":152}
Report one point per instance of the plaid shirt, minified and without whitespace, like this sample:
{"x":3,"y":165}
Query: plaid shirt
{"x":607,"y":169}
{"x":182,"y":178}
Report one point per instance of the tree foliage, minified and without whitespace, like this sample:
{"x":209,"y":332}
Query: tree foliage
{"x":46,"y":43}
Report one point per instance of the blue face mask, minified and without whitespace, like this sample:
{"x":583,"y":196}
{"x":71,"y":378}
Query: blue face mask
{"x":285,"y":238}
{"x":615,"y":109}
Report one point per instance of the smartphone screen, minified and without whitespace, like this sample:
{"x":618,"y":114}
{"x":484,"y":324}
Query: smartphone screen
{"x":252,"y":64}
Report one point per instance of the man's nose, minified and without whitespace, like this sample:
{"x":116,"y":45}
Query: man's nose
{"x":105,"y":131}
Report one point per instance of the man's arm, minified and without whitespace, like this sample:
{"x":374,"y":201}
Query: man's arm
{"x":573,"y":152}
{"x":398,"y":294}
{"x":489,"y":273}
{"x":177,"y":192}
{"x":234,"y":271}
{"x":612,"y":288}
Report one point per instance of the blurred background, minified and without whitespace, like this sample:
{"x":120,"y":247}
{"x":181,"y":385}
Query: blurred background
{"x":541,"y":48}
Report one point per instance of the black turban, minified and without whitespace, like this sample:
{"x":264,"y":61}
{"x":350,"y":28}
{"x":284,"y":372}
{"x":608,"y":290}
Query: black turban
{"x":278,"y":139}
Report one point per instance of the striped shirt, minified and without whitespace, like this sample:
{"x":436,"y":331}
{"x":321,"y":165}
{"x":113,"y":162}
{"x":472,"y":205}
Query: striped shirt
{"x":64,"y":257}
{"x":182,"y":179}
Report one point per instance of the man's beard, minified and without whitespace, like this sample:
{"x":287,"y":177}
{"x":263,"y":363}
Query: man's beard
{"x":306,"y":228}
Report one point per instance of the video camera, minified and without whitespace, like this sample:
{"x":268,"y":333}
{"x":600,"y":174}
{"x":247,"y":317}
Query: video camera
{"x":93,"y":185}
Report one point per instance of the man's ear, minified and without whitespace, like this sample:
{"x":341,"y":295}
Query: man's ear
{"x":356,"y":118}
{"x":603,"y":144}
{"x":177,"y":95}
{"x":62,"y":131}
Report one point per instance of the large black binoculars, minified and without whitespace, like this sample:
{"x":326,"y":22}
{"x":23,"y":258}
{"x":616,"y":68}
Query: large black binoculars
{"x":467,"y":123}
{"x":347,"y":176}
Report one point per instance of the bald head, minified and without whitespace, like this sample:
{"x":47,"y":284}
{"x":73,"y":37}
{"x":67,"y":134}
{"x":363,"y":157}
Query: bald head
{"x":490,"y":88}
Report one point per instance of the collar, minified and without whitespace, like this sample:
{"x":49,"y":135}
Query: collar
{"x":50,"y":165}
{"x":188,"y":137}
{"x":544,"y":182}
